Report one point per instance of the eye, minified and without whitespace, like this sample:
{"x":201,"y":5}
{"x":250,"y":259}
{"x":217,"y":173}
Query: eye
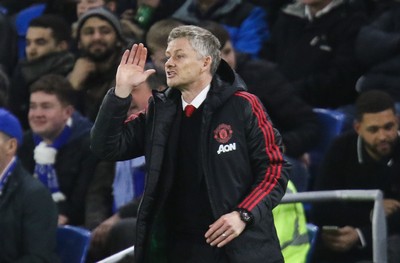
{"x":388,"y":126}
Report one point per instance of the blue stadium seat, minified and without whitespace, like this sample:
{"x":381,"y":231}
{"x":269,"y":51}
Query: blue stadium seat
{"x":72,"y":244}
{"x":312,"y":236}
{"x":22,"y":20}
{"x":332,"y":124}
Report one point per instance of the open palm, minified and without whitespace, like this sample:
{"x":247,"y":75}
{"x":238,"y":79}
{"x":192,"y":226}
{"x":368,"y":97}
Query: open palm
{"x":131,"y":73}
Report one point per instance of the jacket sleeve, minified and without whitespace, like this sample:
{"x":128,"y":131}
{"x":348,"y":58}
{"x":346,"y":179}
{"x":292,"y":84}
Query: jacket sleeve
{"x":111,"y":137}
{"x":270,"y":169}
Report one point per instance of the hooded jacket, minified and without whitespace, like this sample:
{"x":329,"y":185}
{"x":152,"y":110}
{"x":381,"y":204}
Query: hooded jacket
{"x":241,"y":159}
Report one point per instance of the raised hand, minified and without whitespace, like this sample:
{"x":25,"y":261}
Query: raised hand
{"x":131,"y":73}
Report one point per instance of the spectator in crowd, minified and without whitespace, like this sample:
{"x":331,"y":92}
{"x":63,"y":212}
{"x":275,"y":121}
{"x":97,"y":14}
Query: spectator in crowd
{"x":130,"y":30}
{"x":377,"y":47}
{"x":366,"y":158}
{"x":47,"y":45}
{"x":312,"y":44}
{"x":28,"y":216}
{"x":56,"y":148}
{"x":100,"y":42}
{"x":246,"y":23}
{"x":118,"y":231}
{"x":294,"y":119}
{"x":229,"y":117}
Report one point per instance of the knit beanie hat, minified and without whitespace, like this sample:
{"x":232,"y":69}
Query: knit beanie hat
{"x":103,"y":13}
{"x":10,"y":125}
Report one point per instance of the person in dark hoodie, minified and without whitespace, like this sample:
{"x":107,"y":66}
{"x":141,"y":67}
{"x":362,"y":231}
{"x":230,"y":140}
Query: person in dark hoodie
{"x":214,"y":162}
{"x":47,"y":44}
{"x":56,"y":148}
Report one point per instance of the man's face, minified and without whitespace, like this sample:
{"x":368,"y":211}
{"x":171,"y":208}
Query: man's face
{"x":40,"y":42}
{"x":47,"y":115}
{"x":228,"y":54}
{"x":98,"y":39}
{"x":184,"y":64}
{"x":379,"y":132}
{"x":82,"y":6}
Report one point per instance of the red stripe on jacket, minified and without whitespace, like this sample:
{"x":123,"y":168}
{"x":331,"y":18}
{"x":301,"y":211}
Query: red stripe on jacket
{"x":273,"y":171}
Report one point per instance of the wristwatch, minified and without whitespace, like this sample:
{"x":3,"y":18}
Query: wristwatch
{"x":245,"y":216}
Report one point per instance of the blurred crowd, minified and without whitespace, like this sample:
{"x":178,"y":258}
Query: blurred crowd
{"x":58,"y":59}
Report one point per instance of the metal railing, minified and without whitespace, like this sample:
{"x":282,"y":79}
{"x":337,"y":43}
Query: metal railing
{"x":379,"y":241}
{"x":120,"y":255}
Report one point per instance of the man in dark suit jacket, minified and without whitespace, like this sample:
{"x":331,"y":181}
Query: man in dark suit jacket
{"x":28,"y":217}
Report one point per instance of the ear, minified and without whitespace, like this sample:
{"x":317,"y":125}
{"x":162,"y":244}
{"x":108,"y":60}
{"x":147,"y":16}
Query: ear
{"x":356,"y":126}
{"x":69,"y":110}
{"x":12,"y":146}
{"x":207,"y":62}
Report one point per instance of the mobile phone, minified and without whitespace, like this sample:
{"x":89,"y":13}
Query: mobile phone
{"x":330,"y":229}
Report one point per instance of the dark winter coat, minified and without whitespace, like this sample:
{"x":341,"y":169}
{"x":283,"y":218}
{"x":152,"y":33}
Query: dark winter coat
{"x":28,"y":221}
{"x":249,"y":161}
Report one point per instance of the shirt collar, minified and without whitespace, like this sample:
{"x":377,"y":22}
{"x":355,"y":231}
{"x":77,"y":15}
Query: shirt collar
{"x":199,"y":98}
{"x":7,"y":167}
{"x":320,"y":13}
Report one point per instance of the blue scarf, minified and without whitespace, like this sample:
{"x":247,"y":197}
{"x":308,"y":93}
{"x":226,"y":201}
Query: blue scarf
{"x":128,"y":181}
{"x":45,"y":158}
{"x":8,"y":171}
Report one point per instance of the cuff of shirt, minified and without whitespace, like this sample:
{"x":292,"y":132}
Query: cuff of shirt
{"x":362,"y":239}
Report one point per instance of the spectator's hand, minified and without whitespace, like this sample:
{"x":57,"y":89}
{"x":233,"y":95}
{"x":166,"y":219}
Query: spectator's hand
{"x":390,"y":206}
{"x":305,"y":159}
{"x":100,"y":233}
{"x":82,"y":68}
{"x":62,"y":220}
{"x":341,"y":240}
{"x":225,"y":229}
{"x":131,"y":73}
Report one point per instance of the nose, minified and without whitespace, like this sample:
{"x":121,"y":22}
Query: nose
{"x":382,"y":134}
{"x":30,"y":48}
{"x":96,"y":34}
{"x":168,"y":62}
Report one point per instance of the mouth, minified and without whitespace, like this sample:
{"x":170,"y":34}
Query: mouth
{"x":170,"y":74}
